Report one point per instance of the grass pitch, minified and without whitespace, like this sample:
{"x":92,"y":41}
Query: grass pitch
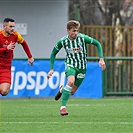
{"x":107,"y":115}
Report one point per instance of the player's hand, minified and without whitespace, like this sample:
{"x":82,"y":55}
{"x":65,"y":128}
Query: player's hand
{"x":11,"y":46}
{"x":30,"y":61}
{"x":50,"y":73}
{"x":102,"y":63}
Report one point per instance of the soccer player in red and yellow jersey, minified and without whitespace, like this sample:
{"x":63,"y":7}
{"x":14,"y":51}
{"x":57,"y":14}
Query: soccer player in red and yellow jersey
{"x":8,"y":39}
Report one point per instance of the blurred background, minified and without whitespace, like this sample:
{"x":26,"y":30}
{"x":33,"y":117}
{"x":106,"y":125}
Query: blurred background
{"x":46,"y":20}
{"x":43,"y":23}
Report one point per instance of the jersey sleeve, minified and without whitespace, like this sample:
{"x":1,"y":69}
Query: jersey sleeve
{"x":26,"y":49}
{"x":90,"y":40}
{"x":58,"y":45}
{"x":20,"y":38}
{"x":55,"y":50}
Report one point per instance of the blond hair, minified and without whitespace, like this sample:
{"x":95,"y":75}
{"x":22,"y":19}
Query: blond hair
{"x":73,"y":24}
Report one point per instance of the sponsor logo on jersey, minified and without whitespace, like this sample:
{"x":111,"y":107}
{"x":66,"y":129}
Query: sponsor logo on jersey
{"x":74,"y":50}
{"x":80,"y":75}
{"x":4,"y":45}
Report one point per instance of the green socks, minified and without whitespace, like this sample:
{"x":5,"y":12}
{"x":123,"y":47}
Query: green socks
{"x":65,"y":94}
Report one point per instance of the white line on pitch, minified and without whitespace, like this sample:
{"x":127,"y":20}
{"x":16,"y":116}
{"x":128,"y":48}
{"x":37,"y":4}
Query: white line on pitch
{"x":76,"y":123}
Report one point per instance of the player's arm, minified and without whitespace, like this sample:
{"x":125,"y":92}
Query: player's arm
{"x":99,"y":49}
{"x":55,"y":50}
{"x":26,"y":48}
{"x":11,"y":46}
{"x":52,"y":57}
{"x":3,"y":49}
{"x":93,"y":41}
{"x":27,"y":51}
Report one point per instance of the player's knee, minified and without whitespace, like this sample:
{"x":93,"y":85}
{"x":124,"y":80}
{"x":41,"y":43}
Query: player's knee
{"x":70,"y":83}
{"x":4,"y":93}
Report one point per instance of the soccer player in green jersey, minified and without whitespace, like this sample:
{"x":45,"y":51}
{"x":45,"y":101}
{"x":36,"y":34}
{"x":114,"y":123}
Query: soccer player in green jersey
{"x":75,"y":46}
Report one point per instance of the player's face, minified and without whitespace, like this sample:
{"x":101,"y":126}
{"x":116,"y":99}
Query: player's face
{"x":72,"y":33}
{"x":9,"y":27}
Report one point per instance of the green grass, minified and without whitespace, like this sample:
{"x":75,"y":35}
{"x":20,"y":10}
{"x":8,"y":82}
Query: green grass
{"x":107,"y":115}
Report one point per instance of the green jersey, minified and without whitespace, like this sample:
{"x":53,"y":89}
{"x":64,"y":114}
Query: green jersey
{"x":75,"y":50}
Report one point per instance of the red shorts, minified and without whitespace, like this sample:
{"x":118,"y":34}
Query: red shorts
{"x":5,"y":75}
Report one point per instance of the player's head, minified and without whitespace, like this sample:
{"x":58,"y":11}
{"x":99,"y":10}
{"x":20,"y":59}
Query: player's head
{"x":9,"y":25}
{"x":73,"y":28}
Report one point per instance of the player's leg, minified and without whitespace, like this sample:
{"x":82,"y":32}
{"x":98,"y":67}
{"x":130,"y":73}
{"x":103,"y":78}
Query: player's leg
{"x":4,"y":88}
{"x":69,"y":72}
{"x":71,"y":88}
{"x":59,"y":93}
{"x":80,"y":75}
{"x":5,"y":81}
{"x":66,"y":91}
{"x":74,"y":89}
